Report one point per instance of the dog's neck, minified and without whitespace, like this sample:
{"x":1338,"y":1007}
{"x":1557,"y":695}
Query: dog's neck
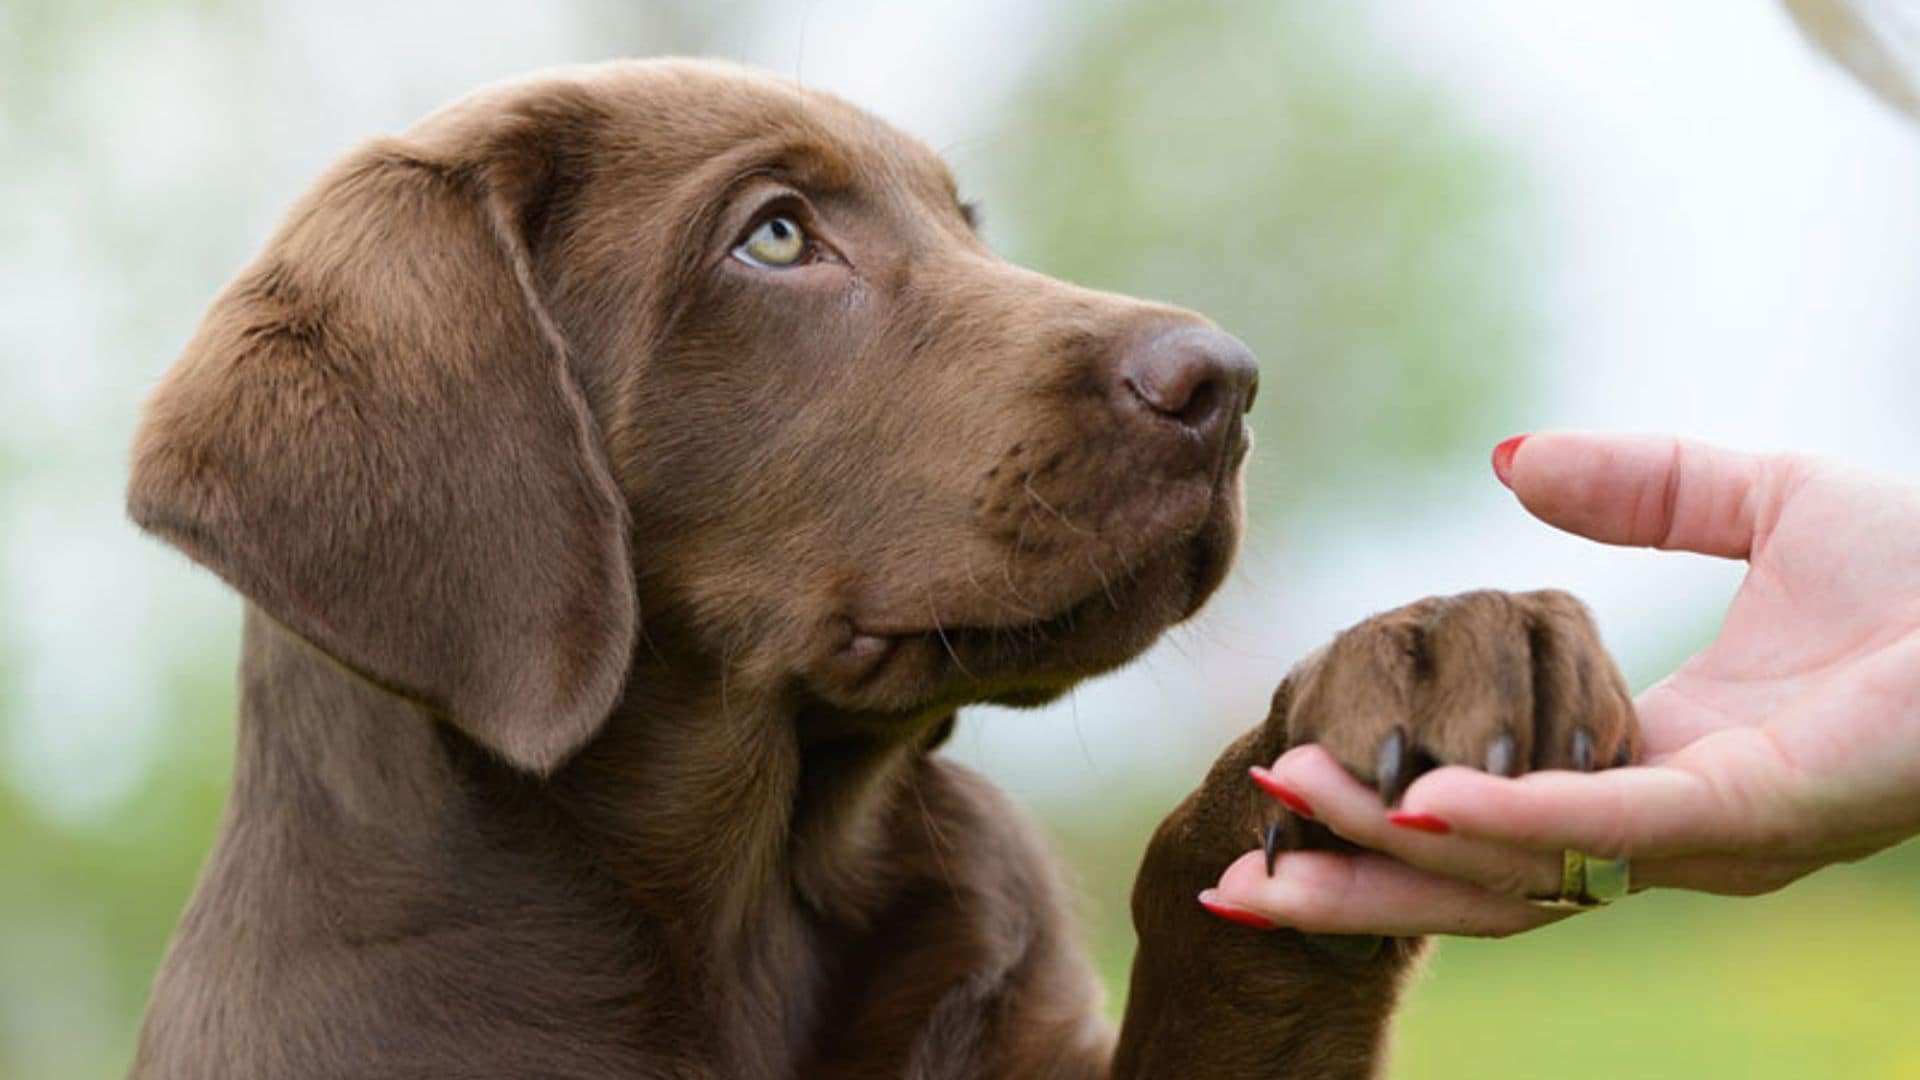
{"x":703,"y":827}
{"x":322,"y":750}
{"x":706,"y":789}
{"x":705,"y":802}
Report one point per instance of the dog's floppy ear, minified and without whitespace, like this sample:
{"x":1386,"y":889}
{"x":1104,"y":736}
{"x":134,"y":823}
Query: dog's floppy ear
{"x":376,"y":436}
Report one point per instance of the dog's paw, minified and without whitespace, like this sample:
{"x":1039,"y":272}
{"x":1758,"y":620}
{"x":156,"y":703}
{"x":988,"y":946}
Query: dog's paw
{"x":1506,"y":682}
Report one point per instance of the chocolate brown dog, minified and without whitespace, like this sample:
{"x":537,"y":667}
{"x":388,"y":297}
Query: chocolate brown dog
{"x":629,"y":472}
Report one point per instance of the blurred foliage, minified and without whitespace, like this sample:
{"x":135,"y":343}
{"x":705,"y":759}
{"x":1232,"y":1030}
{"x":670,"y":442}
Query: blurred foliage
{"x":1815,"y":981}
{"x":86,"y":909}
{"x":1269,"y":165}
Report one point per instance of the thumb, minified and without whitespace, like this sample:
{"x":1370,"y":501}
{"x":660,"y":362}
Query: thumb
{"x":1640,"y":490}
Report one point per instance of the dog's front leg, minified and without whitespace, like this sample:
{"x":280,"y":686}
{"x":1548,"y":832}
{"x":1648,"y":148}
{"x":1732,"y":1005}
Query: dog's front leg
{"x":1504,"y":681}
{"x":1213,"y":999}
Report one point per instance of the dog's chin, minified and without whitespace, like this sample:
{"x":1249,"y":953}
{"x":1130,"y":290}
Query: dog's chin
{"x":890,"y":677}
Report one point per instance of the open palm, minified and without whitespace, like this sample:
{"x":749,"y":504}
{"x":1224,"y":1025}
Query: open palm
{"x":1803,"y":715}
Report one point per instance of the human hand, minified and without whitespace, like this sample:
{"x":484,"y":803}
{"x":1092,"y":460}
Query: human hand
{"x":1791,"y":742}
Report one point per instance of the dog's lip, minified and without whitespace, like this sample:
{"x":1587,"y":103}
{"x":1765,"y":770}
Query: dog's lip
{"x":863,"y":651}
{"x":861,"y":644}
{"x":859,"y":654}
{"x":862,"y":633}
{"x":865,"y":648}
{"x":874,"y":634}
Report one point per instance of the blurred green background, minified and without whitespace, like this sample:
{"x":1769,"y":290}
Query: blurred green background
{"x":1435,"y":222}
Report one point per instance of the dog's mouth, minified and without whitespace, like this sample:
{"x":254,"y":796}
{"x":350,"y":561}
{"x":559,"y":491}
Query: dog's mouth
{"x":890,"y":667}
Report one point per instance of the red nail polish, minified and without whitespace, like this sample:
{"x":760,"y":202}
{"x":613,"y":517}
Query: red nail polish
{"x":1234,"y":914}
{"x":1406,"y":819}
{"x":1503,"y":458}
{"x":1271,"y":784}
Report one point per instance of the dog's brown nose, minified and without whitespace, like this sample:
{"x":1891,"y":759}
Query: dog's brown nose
{"x":1195,"y":377}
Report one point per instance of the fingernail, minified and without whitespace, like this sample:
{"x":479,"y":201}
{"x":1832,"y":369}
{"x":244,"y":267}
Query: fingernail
{"x":1503,"y":458}
{"x":1407,"y":819}
{"x":1233,"y":913}
{"x":1271,"y":784}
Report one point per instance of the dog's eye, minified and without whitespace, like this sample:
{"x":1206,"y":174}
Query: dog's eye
{"x":775,"y":242}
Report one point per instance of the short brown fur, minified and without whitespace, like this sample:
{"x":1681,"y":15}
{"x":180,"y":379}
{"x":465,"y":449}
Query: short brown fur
{"x":608,"y":598}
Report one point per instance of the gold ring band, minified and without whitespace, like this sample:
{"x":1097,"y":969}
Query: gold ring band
{"x":1607,"y":879}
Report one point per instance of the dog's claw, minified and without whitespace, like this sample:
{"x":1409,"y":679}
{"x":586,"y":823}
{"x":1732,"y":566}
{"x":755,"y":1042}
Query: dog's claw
{"x":1582,"y":749}
{"x":1391,"y":770}
{"x":1270,"y":843}
{"x":1500,"y":756}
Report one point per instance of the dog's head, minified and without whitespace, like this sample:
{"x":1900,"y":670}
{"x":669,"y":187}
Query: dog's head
{"x":680,"y":339}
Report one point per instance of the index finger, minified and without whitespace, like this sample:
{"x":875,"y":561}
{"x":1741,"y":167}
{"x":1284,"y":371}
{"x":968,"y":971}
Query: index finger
{"x":1643,"y":490}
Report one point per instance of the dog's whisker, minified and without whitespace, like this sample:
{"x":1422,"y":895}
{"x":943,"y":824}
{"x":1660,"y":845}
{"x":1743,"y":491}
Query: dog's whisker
{"x":1013,"y":589}
{"x":1019,"y":608}
{"x":1026,"y":481}
{"x":1079,"y":736}
{"x":939,"y":631}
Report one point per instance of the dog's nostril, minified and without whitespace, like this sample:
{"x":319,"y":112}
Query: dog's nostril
{"x":1196,"y":377}
{"x":1200,"y":405}
{"x":1184,"y":402}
